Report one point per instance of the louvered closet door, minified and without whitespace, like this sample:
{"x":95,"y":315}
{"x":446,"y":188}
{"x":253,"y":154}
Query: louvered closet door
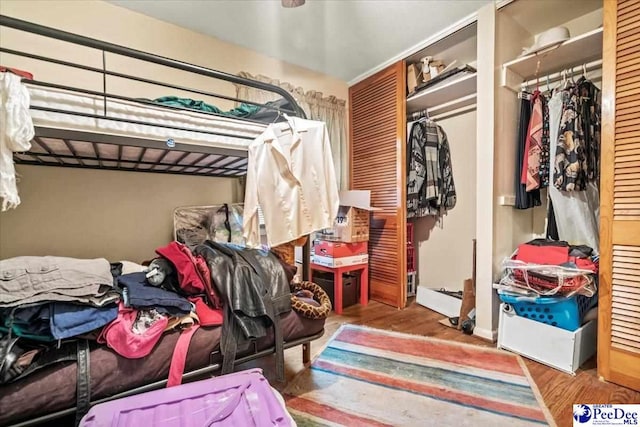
{"x":377,"y":135}
{"x":619,"y":314}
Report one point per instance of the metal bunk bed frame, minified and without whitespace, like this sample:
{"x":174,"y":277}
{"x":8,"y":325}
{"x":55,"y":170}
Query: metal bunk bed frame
{"x":221,"y":166}
{"x":235,"y":168}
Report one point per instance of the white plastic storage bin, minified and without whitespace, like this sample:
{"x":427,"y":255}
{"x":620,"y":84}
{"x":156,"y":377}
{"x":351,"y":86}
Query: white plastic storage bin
{"x":556,"y":347}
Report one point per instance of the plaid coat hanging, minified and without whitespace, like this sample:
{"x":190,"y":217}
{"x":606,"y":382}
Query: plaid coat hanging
{"x":430,"y":186}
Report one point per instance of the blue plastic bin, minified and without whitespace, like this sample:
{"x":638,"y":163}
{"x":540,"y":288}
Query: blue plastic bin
{"x":565,"y":313}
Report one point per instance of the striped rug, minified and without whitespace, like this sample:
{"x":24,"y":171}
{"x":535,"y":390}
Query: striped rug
{"x":371,"y":377}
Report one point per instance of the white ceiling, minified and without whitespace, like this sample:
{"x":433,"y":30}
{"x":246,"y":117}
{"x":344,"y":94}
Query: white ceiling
{"x":341,"y":38}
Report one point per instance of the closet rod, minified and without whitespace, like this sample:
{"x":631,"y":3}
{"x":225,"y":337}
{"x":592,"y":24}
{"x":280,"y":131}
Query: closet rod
{"x":542,"y":80}
{"x":452,"y":113}
{"x":454,"y":106}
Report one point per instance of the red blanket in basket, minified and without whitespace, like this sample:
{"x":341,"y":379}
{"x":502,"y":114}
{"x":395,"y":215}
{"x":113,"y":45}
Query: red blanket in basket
{"x":543,"y":282}
{"x":546,"y":255}
{"x":550,"y":255}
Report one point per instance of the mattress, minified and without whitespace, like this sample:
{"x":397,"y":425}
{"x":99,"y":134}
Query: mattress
{"x":54,"y":388}
{"x":162,"y":121}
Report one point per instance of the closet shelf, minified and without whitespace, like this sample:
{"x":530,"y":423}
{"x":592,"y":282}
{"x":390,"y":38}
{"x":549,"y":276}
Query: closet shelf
{"x":574,"y":52}
{"x":446,"y":96}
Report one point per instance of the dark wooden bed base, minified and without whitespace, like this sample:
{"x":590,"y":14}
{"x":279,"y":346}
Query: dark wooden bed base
{"x":188,"y":376}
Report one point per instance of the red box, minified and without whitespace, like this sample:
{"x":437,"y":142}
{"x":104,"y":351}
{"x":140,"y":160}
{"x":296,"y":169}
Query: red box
{"x":411,"y":259}
{"x":340,"y":249}
{"x":409,"y":233}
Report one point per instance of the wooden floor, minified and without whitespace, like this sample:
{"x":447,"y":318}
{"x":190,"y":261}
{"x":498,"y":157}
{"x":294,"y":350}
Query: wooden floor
{"x":559,"y":390}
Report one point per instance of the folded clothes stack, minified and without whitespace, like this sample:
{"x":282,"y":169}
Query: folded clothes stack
{"x":29,"y":279}
{"x":53,"y":298}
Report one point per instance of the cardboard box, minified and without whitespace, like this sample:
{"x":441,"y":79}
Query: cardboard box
{"x":431,"y":68}
{"x":555,"y":347}
{"x":352,"y":223}
{"x":414,"y":76}
{"x":340,"y":249}
{"x":340,"y":262}
{"x":435,"y":68}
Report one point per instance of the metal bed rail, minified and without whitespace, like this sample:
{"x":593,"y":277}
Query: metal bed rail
{"x":65,"y":155}
{"x":105,"y":47}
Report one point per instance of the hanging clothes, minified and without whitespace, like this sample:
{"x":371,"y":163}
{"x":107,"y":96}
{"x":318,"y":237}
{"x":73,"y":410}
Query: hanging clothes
{"x":430,"y":186}
{"x":416,"y":170}
{"x":545,"y":162}
{"x":590,"y":110}
{"x":16,"y":132}
{"x":524,"y":199}
{"x":575,"y":213}
{"x":552,"y":225}
{"x":290,"y":175}
{"x":578,"y":141}
{"x":533,"y":145}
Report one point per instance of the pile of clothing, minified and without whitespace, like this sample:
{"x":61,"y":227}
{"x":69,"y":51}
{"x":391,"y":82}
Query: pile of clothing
{"x":550,"y":268}
{"x":56,"y":310}
{"x":53,"y":309}
{"x":49,"y":302}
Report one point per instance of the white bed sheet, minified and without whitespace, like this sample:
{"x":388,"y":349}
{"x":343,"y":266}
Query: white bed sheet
{"x":157,"y":116}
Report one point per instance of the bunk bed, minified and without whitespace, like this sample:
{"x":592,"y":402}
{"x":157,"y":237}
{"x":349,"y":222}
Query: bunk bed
{"x":81,"y":128}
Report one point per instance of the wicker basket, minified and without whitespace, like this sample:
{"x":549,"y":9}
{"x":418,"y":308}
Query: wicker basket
{"x":285,"y":252}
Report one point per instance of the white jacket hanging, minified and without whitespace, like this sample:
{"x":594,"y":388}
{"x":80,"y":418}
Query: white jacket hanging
{"x":16,"y":132}
{"x":291,"y":176}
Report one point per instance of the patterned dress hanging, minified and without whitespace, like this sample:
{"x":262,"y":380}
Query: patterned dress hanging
{"x":578,"y":145}
{"x":570,"y":153}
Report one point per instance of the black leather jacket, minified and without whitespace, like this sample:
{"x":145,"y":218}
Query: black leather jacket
{"x":256,"y":291}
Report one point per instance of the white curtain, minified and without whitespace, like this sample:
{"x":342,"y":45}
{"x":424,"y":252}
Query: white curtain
{"x":328,"y":109}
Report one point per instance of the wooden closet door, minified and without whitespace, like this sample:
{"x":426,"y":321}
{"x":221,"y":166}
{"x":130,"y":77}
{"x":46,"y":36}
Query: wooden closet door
{"x":619,"y":312}
{"x":377,"y":153}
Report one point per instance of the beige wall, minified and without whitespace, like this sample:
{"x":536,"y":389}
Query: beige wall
{"x":117,"y":25}
{"x":445,"y":255}
{"x":90,"y":213}
{"x":120,"y":215}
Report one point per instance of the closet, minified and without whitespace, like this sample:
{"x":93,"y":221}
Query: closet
{"x":445,"y":103}
{"x":381,"y":112}
{"x":480,"y":113}
{"x":549,"y":70}
{"x":505,"y":30}
{"x":378,"y":140}
{"x":613,"y":70}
